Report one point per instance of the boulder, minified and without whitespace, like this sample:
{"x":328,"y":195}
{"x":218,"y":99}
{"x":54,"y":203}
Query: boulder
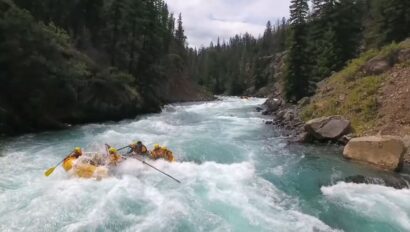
{"x":382,"y":151}
{"x":303,"y":137}
{"x":377,"y":65}
{"x":272,"y":104}
{"x":304,"y":102}
{"x":328,"y":128}
{"x":289,"y":115}
{"x":404,"y":55}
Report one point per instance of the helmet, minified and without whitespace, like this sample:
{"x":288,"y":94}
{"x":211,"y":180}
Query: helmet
{"x":165,"y":148}
{"x":112,"y":150}
{"x":156,"y":146}
{"x":139,"y":142}
{"x":77,"y":149}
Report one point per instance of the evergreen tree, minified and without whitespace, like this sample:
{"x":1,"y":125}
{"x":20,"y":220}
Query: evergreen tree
{"x":296,"y":80}
{"x":180,"y":33}
{"x":180,"y":38}
{"x":389,"y":21}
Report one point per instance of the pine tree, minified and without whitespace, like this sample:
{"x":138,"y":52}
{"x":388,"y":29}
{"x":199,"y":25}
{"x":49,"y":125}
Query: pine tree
{"x":296,"y":80}
{"x":389,"y":21}
{"x":334,"y":35}
{"x":180,"y":32}
{"x":267,"y":39}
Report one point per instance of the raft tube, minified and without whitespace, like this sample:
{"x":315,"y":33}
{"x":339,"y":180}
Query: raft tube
{"x":84,"y":170}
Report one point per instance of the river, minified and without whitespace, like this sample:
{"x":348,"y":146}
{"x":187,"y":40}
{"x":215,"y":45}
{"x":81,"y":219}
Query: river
{"x":237,"y":175}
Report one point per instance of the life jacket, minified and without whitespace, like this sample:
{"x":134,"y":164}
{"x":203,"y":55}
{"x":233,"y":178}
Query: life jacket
{"x":75,"y":155}
{"x":115,"y":158}
{"x":168,"y":155}
{"x":156,"y":153}
{"x":142,"y":149}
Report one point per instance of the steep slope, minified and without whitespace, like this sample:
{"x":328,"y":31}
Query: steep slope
{"x":373,"y":92}
{"x":50,"y":80}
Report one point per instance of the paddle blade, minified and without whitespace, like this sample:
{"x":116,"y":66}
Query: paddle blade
{"x":49,"y":171}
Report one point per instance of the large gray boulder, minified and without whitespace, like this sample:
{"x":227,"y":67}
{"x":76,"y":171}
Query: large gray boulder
{"x":328,"y":128}
{"x":383,"y":151}
{"x":272,"y":105}
{"x":376,"y":66}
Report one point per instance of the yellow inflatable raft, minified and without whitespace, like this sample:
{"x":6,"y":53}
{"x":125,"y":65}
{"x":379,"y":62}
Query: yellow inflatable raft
{"x":83,"y":169}
{"x":69,"y":163}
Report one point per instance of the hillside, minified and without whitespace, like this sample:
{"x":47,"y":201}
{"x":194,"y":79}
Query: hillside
{"x":111,"y":60}
{"x":372,"y":92}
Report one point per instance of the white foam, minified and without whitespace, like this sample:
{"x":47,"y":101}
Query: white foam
{"x":383,"y":203}
{"x":213,"y":196}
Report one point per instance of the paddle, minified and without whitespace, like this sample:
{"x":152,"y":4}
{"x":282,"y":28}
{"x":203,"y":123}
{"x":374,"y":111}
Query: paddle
{"x":143,"y":161}
{"x":51,"y":170}
{"x":122,"y":148}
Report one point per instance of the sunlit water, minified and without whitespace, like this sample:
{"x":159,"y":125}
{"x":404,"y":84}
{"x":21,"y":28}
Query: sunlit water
{"x":236,"y":173}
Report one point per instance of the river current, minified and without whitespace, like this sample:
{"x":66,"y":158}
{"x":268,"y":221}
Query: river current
{"x":237,"y":174}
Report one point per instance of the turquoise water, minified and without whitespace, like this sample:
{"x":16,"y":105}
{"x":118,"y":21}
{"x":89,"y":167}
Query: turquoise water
{"x":236,"y":173}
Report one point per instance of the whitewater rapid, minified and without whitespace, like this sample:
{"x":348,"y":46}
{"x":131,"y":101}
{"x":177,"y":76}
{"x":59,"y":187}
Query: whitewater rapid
{"x":236,"y":173}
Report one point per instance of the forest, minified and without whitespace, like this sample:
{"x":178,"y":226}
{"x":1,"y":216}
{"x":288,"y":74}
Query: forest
{"x":65,"y":62}
{"x":68,"y":62}
{"x":319,"y":38}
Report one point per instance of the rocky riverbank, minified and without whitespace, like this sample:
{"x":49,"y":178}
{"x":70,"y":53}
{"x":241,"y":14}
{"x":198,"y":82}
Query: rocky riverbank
{"x":359,"y":114}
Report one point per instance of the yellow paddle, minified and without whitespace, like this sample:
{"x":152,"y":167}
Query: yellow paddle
{"x":51,"y":170}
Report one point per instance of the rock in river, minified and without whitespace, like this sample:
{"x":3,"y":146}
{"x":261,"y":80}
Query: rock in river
{"x":328,"y":128}
{"x":383,"y":151}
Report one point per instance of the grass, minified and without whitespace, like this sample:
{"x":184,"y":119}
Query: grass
{"x":351,"y":93}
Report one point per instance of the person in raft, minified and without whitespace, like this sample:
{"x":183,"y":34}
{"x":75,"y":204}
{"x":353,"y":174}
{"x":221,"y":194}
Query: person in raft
{"x":162,"y":153}
{"x":114,"y":157}
{"x":77,"y":152}
{"x":137,"y":148}
{"x":70,"y":159}
{"x":167,"y":154}
{"x":156,"y":153}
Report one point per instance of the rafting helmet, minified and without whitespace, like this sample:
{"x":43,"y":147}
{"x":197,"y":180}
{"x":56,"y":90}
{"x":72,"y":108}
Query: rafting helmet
{"x":112,"y":150}
{"x":156,"y":146}
{"x":165,"y":148}
{"x":77,"y":150}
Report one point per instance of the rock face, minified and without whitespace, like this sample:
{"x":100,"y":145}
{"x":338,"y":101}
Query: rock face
{"x":328,"y":128}
{"x":383,"y":151}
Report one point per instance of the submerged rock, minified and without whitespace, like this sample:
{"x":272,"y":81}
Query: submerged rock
{"x":328,"y":128}
{"x":394,"y":182}
{"x":383,"y":151}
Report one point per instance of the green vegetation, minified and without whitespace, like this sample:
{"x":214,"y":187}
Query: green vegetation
{"x":318,"y":43}
{"x":297,"y":75}
{"x":351,"y":92}
{"x":242,"y":65}
{"x":355,"y":100}
{"x":64,"y":62}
